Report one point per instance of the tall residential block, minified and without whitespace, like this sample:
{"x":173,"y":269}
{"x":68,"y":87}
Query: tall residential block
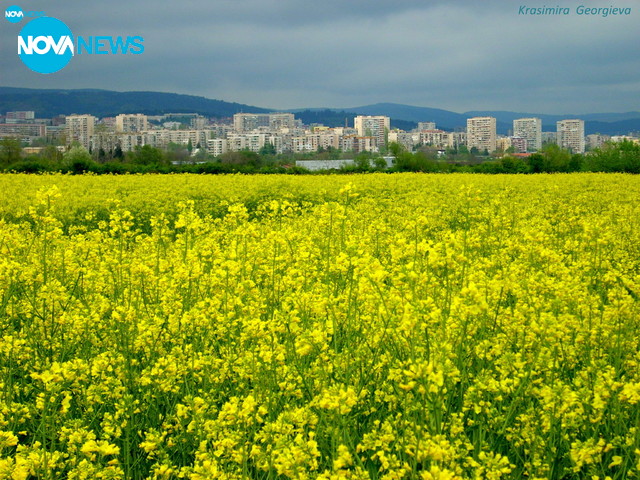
{"x":246,"y":122}
{"x":131,"y":123}
{"x":373,"y":126}
{"x":481,"y":133}
{"x":426,"y":125}
{"x":531,"y":130}
{"x":571,"y":135}
{"x":79,"y":128}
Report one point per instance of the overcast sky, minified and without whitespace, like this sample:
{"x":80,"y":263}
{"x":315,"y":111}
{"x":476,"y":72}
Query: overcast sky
{"x":457,"y":55}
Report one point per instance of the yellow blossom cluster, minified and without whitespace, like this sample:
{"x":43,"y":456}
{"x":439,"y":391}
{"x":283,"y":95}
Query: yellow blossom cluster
{"x":376,"y":326}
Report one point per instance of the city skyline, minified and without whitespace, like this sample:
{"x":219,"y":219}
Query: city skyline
{"x":455,"y":55}
{"x":282,"y":132}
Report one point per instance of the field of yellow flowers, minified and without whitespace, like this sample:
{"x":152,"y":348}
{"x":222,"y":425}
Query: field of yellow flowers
{"x":399,"y":326}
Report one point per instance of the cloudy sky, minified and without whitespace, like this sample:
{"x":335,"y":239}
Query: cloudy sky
{"x":457,"y":55}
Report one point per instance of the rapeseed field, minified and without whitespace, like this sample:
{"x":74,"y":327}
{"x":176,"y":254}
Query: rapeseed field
{"x":377,"y":326}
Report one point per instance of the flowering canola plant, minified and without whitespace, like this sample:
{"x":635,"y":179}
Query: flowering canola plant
{"x":402,"y":326}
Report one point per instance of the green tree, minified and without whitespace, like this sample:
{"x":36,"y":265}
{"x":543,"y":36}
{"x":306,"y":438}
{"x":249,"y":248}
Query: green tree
{"x":268,"y":149}
{"x":118,"y":153}
{"x":576,"y":163}
{"x":177,"y":153}
{"x":78,"y":160}
{"x":425,"y":162}
{"x":201,"y":155}
{"x":243,"y":157}
{"x":10,"y":151}
{"x":509,"y":164}
{"x":146,"y":155}
{"x":556,"y":159}
{"x":395,"y":149}
{"x":552,"y":158}
{"x":363,"y":161}
{"x":380,"y":163}
{"x":615,"y":157}
{"x":51,"y":155}
{"x":536,"y":163}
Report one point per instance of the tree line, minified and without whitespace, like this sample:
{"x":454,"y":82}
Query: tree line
{"x":611,"y":157}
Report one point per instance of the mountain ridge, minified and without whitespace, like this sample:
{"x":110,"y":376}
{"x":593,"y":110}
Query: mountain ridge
{"x":48,"y":103}
{"x":103,"y":103}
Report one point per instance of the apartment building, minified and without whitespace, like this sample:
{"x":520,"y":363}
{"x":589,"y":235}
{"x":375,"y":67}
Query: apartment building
{"x":571,"y":135}
{"x":22,"y":130}
{"x":79,"y":128}
{"x":426,"y":126}
{"x":481,"y":133}
{"x":437,"y":138}
{"x":375,"y":126}
{"x":531,"y":130}
{"x":20,"y":116}
{"x":519,"y":144}
{"x":129,"y":123}
{"x":246,"y":122}
{"x":217,"y":146}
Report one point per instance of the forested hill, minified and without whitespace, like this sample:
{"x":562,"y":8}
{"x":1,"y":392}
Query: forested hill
{"x":105,"y":103}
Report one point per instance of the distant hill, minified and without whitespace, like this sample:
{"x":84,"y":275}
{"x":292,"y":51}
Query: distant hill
{"x":612,"y":128}
{"x":444,"y":118}
{"x":605,"y":123}
{"x":106,"y":103}
{"x":552,"y":119}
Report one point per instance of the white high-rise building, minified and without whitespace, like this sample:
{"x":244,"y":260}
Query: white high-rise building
{"x":571,"y":135}
{"x":481,"y":133}
{"x":131,"y":123}
{"x":79,"y":128}
{"x":426,"y":125}
{"x":373,"y":126}
{"x":531,"y":130}
{"x":246,"y":122}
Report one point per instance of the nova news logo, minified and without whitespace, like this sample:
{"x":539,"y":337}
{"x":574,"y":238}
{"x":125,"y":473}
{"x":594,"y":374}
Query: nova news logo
{"x":14,"y":14}
{"x":46,"y":45}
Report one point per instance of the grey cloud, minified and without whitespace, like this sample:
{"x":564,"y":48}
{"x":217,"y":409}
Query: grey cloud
{"x":460,"y":55}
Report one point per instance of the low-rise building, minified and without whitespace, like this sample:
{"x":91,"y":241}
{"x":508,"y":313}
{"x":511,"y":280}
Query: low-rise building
{"x":24,"y":131}
{"x":437,"y":138}
{"x":595,"y":140}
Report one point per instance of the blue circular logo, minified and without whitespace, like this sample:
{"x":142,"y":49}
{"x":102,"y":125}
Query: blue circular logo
{"x":45,"y":45}
{"x":13,"y":14}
